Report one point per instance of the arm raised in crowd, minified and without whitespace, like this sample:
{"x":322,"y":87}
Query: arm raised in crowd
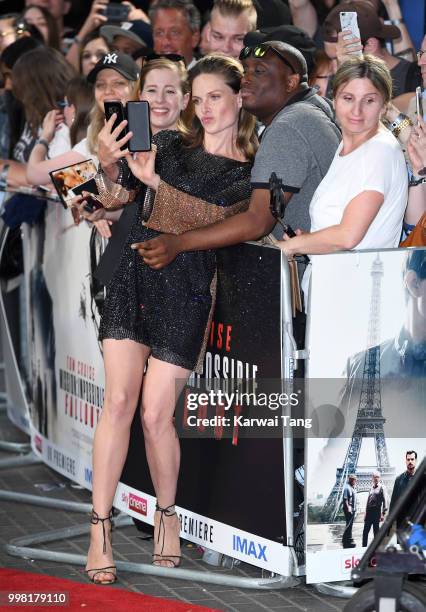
{"x":395,"y":15}
{"x":95,"y":19}
{"x":304,"y":16}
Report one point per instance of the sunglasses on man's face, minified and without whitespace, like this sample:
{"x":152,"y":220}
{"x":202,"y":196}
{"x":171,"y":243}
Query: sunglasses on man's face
{"x":260,"y":51}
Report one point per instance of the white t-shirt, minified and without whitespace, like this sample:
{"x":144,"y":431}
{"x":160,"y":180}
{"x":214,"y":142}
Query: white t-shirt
{"x":83,"y":148}
{"x":376,"y":165}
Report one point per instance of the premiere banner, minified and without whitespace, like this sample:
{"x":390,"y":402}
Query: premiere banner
{"x":231,"y":495}
{"x":66,"y":378}
{"x":233,"y":486}
{"x":366,"y":396}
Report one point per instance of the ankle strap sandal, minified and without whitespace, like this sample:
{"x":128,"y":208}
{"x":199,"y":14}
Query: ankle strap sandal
{"x":95,"y":519}
{"x":162,"y":530}
{"x":110,"y":570}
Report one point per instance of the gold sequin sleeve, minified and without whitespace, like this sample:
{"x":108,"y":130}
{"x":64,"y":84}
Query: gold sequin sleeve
{"x":112,"y":195}
{"x":176,"y":212}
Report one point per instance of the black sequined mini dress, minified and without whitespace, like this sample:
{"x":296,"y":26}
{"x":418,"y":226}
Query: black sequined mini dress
{"x":168,"y":310}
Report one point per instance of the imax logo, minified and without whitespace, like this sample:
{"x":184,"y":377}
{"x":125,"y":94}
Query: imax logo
{"x":249,"y":548}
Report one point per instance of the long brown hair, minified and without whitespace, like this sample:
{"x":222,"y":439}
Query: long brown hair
{"x":39,"y":80}
{"x":163,"y":63}
{"x":53,"y":35}
{"x":79,"y":93}
{"x":231,"y":71}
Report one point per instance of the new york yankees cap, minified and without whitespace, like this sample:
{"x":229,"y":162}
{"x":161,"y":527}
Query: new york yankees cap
{"x":120,"y":62}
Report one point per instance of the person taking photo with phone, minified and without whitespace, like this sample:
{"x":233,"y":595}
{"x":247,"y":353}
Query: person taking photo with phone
{"x":160,"y":319}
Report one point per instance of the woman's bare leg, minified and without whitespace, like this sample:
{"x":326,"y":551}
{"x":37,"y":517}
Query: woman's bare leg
{"x":124,"y":362}
{"x":162,"y":385}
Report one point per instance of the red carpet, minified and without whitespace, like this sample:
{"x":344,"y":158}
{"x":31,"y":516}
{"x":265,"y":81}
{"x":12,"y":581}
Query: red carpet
{"x":84,"y":596}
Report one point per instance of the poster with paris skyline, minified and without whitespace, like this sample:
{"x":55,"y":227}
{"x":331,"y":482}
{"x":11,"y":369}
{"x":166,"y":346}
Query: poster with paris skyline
{"x":366,"y":379}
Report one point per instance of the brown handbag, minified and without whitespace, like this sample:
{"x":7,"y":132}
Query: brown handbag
{"x":417,"y":237}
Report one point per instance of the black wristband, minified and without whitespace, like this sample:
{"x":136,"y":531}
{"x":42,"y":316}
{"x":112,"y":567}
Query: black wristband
{"x":43,"y":142}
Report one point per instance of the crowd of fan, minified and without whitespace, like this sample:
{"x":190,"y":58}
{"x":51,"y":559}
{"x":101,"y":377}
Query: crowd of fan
{"x":47,"y":103}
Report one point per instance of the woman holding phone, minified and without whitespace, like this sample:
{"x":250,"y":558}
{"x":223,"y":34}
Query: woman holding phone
{"x":164,"y":85}
{"x":115,"y":80}
{"x":164,"y":315}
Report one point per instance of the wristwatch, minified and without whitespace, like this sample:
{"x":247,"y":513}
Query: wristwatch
{"x":398,"y":124}
{"x":417,"y":180}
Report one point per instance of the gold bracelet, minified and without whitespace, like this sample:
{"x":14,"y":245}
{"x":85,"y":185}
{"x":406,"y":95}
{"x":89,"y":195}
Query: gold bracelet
{"x":401,"y":126}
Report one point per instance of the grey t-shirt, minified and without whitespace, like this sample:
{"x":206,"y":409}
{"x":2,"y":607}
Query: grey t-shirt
{"x":299,"y":146}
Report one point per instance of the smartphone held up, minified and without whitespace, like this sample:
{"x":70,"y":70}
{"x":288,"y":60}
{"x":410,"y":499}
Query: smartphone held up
{"x":349,"y":21}
{"x":137,"y":116}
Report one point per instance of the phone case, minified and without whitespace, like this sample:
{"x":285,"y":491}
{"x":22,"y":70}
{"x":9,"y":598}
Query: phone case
{"x":139,"y":124}
{"x":349,"y":21}
{"x":115,"y":106}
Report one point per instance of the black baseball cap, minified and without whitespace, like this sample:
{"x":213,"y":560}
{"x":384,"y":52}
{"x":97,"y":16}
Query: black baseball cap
{"x":272,"y":13}
{"x":138,"y":31}
{"x":120,"y":62}
{"x":290,"y":34}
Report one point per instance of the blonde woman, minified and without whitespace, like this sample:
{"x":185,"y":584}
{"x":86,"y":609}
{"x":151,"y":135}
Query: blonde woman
{"x":115,"y":77}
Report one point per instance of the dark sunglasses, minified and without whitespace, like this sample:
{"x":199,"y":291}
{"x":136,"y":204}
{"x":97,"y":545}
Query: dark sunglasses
{"x":261,"y":50}
{"x":173,"y":57}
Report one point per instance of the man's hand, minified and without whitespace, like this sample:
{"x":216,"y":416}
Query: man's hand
{"x":158,"y":252}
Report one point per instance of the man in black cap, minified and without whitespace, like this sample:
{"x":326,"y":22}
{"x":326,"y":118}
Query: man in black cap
{"x":289,"y":34}
{"x":298,"y":144}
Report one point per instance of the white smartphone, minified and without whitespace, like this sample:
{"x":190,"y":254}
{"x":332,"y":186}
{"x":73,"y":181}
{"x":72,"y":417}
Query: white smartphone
{"x":419,"y":102}
{"x":349,"y":21}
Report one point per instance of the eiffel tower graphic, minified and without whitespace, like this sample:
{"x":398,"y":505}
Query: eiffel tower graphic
{"x":369,"y":422}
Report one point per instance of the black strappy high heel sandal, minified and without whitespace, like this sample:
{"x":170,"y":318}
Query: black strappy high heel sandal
{"x":95,"y":519}
{"x":157,"y":558}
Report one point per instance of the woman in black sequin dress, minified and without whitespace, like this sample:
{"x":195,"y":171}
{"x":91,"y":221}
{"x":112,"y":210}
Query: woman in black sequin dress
{"x":199,"y":177}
